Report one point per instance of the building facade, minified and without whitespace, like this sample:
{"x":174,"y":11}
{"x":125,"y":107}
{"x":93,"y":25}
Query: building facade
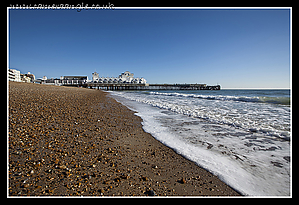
{"x":14,"y":75}
{"x":125,"y":77}
{"x":95,"y":76}
{"x":65,"y":80}
{"x":25,"y":79}
{"x":31,"y":76}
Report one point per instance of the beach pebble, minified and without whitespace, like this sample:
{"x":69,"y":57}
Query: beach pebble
{"x":144,"y":178}
{"x":150,"y":193}
{"x":182,"y":181}
{"x":62,"y":167}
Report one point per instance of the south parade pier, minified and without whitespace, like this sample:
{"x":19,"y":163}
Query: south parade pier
{"x":125,"y":81}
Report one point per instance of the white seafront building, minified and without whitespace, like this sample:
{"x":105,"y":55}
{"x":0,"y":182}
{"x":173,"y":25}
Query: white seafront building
{"x":125,"y":77}
{"x":14,"y":75}
{"x":17,"y":76}
{"x":64,"y":80}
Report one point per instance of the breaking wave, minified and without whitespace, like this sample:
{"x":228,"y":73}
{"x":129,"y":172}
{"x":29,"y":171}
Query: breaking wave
{"x":272,"y":100}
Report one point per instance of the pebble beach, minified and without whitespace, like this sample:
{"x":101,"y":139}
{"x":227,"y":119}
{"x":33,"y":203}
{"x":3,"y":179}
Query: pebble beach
{"x":67,"y":141}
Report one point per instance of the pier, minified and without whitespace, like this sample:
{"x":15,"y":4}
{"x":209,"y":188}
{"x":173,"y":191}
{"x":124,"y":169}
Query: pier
{"x":129,"y":86}
{"x":182,"y":87}
{"x":125,"y":81}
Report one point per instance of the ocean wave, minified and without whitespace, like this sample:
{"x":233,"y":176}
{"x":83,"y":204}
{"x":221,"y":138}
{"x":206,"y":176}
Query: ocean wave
{"x":272,"y":121}
{"x":234,"y":120}
{"x":276,"y":100}
{"x":255,"y":99}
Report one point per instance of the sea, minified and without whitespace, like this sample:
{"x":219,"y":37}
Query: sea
{"x":241,"y":136}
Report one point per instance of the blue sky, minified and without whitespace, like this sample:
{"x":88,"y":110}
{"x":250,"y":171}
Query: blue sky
{"x":236,"y":48}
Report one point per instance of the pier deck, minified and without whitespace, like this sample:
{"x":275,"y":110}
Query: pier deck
{"x":131,"y":86}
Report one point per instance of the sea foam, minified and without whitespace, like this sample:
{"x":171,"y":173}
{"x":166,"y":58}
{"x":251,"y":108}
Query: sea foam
{"x":245,"y":144}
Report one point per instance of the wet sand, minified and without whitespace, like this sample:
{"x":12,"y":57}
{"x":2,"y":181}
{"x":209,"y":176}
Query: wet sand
{"x":66,"y":141}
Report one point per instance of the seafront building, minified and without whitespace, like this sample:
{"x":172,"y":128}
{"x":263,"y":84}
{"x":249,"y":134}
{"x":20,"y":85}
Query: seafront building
{"x":17,"y":76}
{"x":25,"y":79}
{"x":31,"y":76}
{"x":125,"y":77}
{"x":63,"y":80}
{"x":14,"y":75}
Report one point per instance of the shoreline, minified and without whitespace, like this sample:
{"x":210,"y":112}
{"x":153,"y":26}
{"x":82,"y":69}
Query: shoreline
{"x":66,"y":141}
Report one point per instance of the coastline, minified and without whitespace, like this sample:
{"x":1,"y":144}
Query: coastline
{"x":66,"y":141}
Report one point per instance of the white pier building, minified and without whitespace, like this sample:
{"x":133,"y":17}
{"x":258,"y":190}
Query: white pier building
{"x":125,"y":77}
